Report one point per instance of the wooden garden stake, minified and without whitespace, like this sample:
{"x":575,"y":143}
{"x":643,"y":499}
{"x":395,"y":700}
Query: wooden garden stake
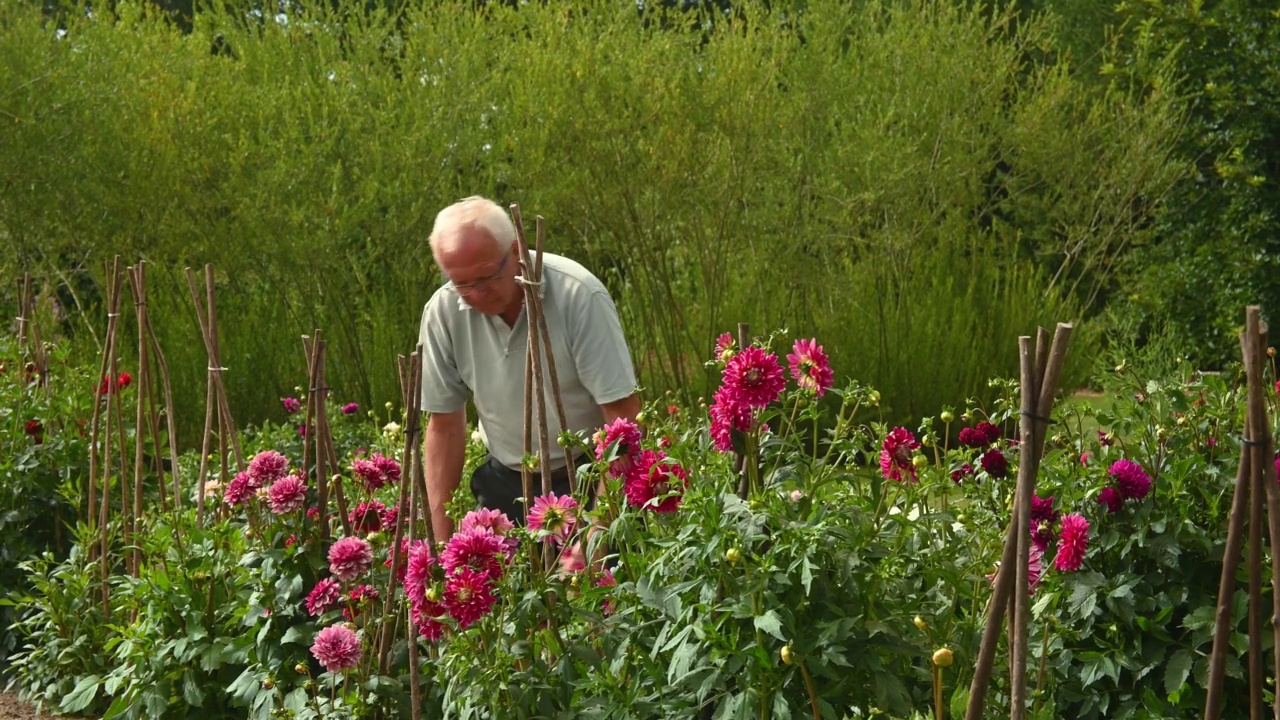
{"x":1011,"y":583}
{"x":410,"y":394}
{"x":216,"y":394}
{"x":532,"y":285}
{"x":1255,"y":477}
{"x":545,"y":335}
{"x":109,"y":364}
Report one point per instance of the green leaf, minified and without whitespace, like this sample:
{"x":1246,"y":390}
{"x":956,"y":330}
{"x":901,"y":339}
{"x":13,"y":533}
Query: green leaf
{"x":295,"y":634}
{"x":770,"y":623}
{"x":82,"y":696}
{"x":191,"y":692}
{"x":1176,"y":672}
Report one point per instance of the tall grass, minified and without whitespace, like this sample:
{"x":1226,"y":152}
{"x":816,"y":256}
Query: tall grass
{"x":914,"y":183}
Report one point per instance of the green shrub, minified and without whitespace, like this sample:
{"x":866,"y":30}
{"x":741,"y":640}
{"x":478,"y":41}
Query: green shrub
{"x":917,"y":183}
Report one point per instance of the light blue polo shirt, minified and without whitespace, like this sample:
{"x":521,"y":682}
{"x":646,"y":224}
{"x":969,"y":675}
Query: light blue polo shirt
{"x":466,"y":353}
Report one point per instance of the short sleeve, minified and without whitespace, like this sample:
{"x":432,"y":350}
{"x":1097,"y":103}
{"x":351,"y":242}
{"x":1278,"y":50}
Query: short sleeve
{"x":600,"y":351}
{"x":443,"y":390}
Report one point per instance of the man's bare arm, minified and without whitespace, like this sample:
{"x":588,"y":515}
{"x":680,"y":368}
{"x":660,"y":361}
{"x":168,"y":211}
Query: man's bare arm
{"x":628,"y":407}
{"x":443,"y":457}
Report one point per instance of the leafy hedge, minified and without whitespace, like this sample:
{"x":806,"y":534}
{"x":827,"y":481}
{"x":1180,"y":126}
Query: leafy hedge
{"x":916,"y":182}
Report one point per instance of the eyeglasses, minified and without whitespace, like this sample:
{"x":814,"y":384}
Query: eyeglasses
{"x":482,"y":283}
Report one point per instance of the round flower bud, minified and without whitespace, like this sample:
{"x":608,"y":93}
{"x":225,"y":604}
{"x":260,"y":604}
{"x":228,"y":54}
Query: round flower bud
{"x":433,"y":594}
{"x":733,"y":555}
{"x":947,"y":416}
{"x":942,"y":657}
{"x":301,"y":668}
{"x":389,"y":405}
{"x":920,"y":623}
{"x":268,"y":683}
{"x":785,"y":653}
{"x":919,"y":461}
{"x":642,"y":417}
{"x":874,"y":397}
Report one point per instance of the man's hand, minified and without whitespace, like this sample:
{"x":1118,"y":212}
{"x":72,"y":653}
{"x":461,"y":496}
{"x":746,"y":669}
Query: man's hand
{"x":443,"y":457}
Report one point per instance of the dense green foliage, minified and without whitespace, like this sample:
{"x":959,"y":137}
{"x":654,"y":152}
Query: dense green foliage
{"x":916,"y":182}
{"x":831,"y":584}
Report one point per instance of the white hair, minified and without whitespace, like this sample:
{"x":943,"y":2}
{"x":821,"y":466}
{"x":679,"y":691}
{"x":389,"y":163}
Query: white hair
{"x":478,"y":212}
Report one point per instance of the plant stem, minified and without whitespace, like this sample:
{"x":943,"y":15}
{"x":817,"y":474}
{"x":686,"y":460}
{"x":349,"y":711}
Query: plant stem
{"x":813,"y":692}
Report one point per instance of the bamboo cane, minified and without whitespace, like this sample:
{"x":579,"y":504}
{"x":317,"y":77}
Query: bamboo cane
{"x":530,"y":283}
{"x":1226,"y":585}
{"x":410,"y":393}
{"x":1259,"y":445}
{"x":113,"y":315}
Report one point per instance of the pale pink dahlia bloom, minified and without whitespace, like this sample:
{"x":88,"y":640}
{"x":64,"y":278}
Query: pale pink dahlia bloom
{"x":337,"y":648}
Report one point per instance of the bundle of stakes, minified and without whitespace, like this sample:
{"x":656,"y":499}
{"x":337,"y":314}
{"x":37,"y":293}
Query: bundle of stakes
{"x":29,"y":343}
{"x":1256,"y":476}
{"x":215,"y":397}
{"x":1038,"y":372}
{"x":107,"y":432}
{"x":318,"y":434}
{"x":538,"y":368}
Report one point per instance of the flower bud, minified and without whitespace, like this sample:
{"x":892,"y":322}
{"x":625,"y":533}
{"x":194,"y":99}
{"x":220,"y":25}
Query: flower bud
{"x":389,"y":405}
{"x":947,"y":416}
{"x":942,"y":657}
{"x":733,"y":555}
{"x":874,"y":397}
{"x":268,"y":683}
{"x":433,"y":594}
{"x":919,"y":461}
{"x":920,"y":623}
{"x":301,"y":669}
{"x":785,"y":653}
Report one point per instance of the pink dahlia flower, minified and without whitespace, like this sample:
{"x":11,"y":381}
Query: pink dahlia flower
{"x":291,"y":405}
{"x":973,"y":437}
{"x":606,"y":579}
{"x":555,"y":515}
{"x":323,"y":596}
{"x":337,"y":648}
{"x":810,"y":367}
{"x":995,"y":463}
{"x":425,"y":616}
{"x":367,"y":517}
{"x":349,"y":558}
{"x":656,"y":477}
{"x":288,"y":494}
{"x":238,"y":491}
{"x":267,"y":467}
{"x":419,"y":575}
{"x":495,"y":520}
{"x":895,"y":455}
{"x":1072,"y":543}
{"x":754,"y":377}
{"x":958,"y":475}
{"x":358,"y":599}
{"x":626,"y":434}
{"x":478,"y":549}
{"x":468,"y":596}
{"x":725,"y":348}
{"x":350,"y":409}
{"x":1131,"y":480}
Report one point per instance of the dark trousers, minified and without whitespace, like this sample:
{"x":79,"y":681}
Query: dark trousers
{"x":498,"y":487}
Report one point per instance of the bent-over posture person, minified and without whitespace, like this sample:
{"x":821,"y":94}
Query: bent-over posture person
{"x":474,"y":336}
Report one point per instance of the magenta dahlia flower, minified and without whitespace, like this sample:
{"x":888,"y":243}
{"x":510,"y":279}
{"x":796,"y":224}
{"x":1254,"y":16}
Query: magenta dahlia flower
{"x":238,"y":491}
{"x":995,"y":463}
{"x":419,"y":575}
{"x":337,"y":648}
{"x":555,"y":515}
{"x":350,"y":409}
{"x":323,"y":596}
{"x":291,"y":405}
{"x":656,"y":477}
{"x":1131,"y":480}
{"x":727,"y":416}
{"x":367,"y":517}
{"x":1072,"y":543}
{"x":958,"y":475}
{"x":1035,"y":568}
{"x":626,"y":434}
{"x":478,"y":549}
{"x":267,"y":467}
{"x":468,"y":596}
{"x":754,"y":377}
{"x":606,"y":579}
{"x":1111,"y":497}
{"x":358,"y":599}
{"x":895,"y":455}
{"x":376,"y":472}
{"x":810,"y":367}
{"x":426,"y":618}
{"x":288,"y":494}
{"x":349,"y":558}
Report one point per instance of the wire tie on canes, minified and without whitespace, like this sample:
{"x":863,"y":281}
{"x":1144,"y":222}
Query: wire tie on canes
{"x":1250,"y":441}
{"x":1041,"y":418}
{"x":217,"y":369}
{"x":525,"y":281}
{"x":320,"y":389}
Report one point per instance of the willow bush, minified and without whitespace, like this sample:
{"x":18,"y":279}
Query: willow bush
{"x":916,"y":183}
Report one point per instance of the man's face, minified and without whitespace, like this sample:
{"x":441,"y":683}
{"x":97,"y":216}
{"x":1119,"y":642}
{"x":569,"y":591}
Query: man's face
{"x":481,"y":273}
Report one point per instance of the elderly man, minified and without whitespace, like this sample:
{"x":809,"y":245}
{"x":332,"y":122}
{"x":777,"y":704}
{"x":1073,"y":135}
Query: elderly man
{"x":474,"y":336}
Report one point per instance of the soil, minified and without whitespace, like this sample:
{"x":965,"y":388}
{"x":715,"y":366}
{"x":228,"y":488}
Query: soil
{"x":13,"y":709}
